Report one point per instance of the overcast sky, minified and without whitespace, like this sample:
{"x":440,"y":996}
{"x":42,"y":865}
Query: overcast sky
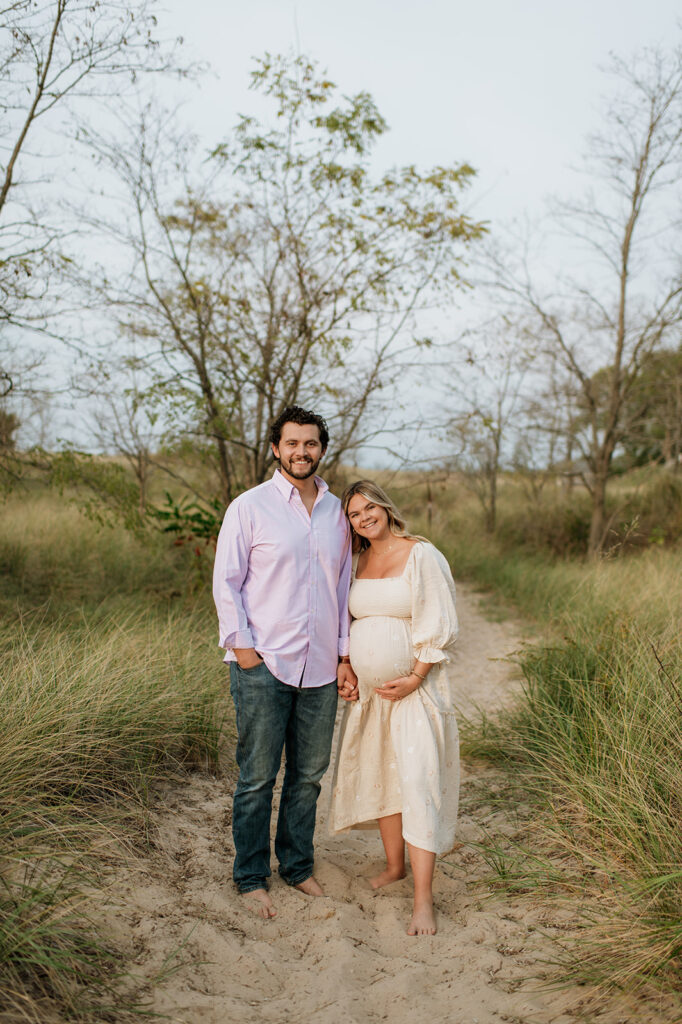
{"x":510,"y":86}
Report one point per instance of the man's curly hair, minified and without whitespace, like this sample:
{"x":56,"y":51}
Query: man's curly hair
{"x":294,"y":414}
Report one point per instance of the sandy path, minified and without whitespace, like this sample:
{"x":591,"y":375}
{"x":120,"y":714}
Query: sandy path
{"x":345,"y":958}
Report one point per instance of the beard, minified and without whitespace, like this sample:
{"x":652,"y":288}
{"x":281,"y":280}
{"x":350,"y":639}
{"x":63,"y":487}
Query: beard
{"x":299,"y":470}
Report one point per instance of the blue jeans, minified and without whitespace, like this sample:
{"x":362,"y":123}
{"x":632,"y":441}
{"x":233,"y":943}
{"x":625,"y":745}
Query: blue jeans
{"x":271,"y":717}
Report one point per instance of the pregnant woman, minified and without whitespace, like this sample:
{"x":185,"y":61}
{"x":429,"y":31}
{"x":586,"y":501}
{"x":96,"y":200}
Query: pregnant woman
{"x":398,"y":758}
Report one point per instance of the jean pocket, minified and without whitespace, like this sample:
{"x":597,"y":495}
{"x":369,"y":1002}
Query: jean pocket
{"x":253,"y":669}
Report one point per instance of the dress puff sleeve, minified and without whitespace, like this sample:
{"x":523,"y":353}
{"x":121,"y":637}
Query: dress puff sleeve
{"x":434,"y":618}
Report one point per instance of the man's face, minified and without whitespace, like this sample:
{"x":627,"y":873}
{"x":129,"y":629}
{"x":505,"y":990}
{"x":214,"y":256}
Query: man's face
{"x":299,"y":450}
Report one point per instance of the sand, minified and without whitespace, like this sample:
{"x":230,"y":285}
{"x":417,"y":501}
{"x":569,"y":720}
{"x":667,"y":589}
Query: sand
{"x":201,"y":957}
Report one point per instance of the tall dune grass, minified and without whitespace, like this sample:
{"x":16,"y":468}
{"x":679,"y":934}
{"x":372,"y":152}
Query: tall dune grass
{"x":90,"y":710}
{"x":110,"y":678}
{"x":597,"y":731}
{"x":52,"y":555}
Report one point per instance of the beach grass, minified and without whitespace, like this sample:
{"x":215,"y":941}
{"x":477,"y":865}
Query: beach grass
{"x":110,"y":680}
{"x":594,"y":739}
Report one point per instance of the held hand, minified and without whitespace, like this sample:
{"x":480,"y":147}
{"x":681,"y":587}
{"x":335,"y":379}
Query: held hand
{"x":346,"y":682}
{"x":396,"y":689}
{"x":247,"y":657}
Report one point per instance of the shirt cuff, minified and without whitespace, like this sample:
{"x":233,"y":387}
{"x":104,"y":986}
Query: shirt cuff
{"x":344,"y":645}
{"x":239,"y":640}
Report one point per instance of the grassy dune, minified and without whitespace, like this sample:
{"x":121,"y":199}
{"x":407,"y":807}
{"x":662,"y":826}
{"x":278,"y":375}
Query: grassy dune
{"x":110,"y":678}
{"x":52,"y":556}
{"x":597,"y":735}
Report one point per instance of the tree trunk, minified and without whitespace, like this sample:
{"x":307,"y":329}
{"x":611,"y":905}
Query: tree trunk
{"x":142,"y":481}
{"x":568,"y":478}
{"x":491,"y":515}
{"x":224,"y":470}
{"x":598,"y":518}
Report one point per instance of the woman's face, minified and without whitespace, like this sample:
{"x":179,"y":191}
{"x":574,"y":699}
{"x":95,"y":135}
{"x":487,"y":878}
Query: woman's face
{"x":368,"y":519}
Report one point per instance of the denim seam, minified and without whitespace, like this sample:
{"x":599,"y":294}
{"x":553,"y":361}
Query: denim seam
{"x":252,"y":888}
{"x":297,"y":881}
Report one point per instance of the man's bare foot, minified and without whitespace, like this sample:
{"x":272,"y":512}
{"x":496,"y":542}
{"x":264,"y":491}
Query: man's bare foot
{"x":423,"y":920}
{"x":387,"y":876}
{"x":258,"y":901}
{"x":310,"y":886}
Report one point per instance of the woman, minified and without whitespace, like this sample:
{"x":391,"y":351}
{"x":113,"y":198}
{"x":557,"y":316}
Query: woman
{"x":398,"y":758}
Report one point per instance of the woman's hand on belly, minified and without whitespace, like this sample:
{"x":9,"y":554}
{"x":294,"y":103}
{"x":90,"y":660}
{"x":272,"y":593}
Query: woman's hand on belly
{"x":396,"y":689}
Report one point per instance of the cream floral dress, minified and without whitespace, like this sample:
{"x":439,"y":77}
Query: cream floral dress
{"x":401,"y":756}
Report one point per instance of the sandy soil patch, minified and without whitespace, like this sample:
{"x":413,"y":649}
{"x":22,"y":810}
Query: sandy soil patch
{"x":345,"y":958}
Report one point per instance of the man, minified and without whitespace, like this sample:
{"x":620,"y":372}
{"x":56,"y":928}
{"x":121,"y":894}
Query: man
{"x":281,"y":579}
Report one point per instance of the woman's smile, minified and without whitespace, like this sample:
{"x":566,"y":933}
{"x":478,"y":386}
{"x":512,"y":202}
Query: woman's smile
{"x":367,"y":518}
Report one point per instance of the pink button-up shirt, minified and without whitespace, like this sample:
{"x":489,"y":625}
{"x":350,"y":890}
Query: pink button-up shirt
{"x":281,"y":580}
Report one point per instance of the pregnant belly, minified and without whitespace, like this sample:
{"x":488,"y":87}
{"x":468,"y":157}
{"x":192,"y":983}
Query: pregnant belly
{"x":380,"y":649}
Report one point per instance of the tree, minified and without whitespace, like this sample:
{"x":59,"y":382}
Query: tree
{"x":654,"y":411}
{"x":57,"y":58}
{"x":551,"y":420}
{"x":9,"y":424}
{"x":627,"y":298}
{"x":121,"y":420}
{"x":23,"y":405}
{"x":278,"y":270}
{"x":489,"y":397}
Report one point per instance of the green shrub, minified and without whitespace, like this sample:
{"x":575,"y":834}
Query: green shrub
{"x":657,"y":509}
{"x":558,"y":526}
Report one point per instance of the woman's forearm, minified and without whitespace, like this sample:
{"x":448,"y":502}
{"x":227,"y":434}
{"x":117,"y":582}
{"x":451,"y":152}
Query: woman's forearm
{"x":422,"y":669}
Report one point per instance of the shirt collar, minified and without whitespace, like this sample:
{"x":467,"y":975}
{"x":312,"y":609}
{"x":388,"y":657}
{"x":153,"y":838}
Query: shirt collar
{"x":287,"y":488}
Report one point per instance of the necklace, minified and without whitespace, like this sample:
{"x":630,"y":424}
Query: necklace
{"x":386,"y":550}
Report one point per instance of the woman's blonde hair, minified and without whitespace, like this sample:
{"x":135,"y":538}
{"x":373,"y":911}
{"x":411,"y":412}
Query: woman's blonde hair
{"x":368,"y":489}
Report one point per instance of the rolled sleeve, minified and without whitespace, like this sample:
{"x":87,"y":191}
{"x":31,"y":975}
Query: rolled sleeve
{"x":242,"y":639}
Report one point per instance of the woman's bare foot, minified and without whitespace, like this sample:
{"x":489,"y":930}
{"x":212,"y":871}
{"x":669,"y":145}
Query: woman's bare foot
{"x":387,"y":876}
{"x":310,"y":886}
{"x":258,"y":901}
{"x":423,"y":920}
